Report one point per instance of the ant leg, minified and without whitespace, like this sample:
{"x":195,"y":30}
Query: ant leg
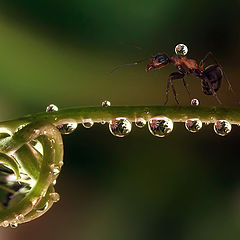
{"x":173,"y":76}
{"x":210,"y":54}
{"x":213,"y":92}
{"x":185,"y":85}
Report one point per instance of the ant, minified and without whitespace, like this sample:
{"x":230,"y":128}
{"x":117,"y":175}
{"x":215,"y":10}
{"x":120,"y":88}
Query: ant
{"x":211,"y":76}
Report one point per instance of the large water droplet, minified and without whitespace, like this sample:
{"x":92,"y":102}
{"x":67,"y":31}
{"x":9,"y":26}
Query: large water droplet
{"x":193,"y":125}
{"x":160,"y":126}
{"x":87,"y":123}
{"x":222,"y":127}
{"x":13,"y":224}
{"x":106,"y":103}
{"x":67,"y":128}
{"x":140,"y":122}
{"x":120,"y":126}
{"x":54,"y":196}
{"x":51,"y":108}
{"x":181,"y":49}
{"x":195,"y":102}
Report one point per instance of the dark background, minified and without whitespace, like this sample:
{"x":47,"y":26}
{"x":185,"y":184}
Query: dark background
{"x":185,"y":186}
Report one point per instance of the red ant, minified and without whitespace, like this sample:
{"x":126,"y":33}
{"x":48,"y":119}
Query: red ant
{"x":211,"y":76}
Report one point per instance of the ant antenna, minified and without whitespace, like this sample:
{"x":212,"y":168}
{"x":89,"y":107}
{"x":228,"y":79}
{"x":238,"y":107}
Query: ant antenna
{"x":128,"y":64}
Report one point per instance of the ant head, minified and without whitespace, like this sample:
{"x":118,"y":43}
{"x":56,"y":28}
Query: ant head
{"x":160,"y":60}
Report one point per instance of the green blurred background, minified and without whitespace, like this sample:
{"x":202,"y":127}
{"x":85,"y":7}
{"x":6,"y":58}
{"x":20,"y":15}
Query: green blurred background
{"x":185,"y":186}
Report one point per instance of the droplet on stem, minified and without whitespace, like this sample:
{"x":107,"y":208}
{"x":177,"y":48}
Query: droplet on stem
{"x":106,"y":103}
{"x":222,"y":127}
{"x":193,"y":125}
{"x":67,"y":128}
{"x":195,"y":102}
{"x":120,"y":127}
{"x":87,"y":123}
{"x":140,"y":122}
{"x":51,"y":108}
{"x":160,"y":126}
{"x":54,"y":196}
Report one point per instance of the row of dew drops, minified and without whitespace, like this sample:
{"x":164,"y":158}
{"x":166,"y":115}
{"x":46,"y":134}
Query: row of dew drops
{"x":159,"y":126}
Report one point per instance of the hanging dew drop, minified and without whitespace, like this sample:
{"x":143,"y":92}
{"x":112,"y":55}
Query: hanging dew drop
{"x":20,"y":217}
{"x":67,"y":128}
{"x":120,"y":127}
{"x":5,"y":224}
{"x":195,"y":102}
{"x":160,"y":126}
{"x":106,"y":103}
{"x":222,"y":127}
{"x":181,"y":49}
{"x":140,"y":122}
{"x":55,"y":197}
{"x":51,"y":108}
{"x":13,"y":224}
{"x":87,"y":123}
{"x":193,"y":125}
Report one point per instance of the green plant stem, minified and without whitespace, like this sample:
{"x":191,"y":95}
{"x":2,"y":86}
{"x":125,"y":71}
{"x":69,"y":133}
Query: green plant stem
{"x":99,"y":114}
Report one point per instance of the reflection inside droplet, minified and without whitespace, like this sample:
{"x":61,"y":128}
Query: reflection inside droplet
{"x":160,"y":126}
{"x":120,"y":126}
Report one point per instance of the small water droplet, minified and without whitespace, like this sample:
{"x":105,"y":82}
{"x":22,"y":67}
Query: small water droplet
{"x":54,"y":196}
{"x":140,"y":122}
{"x":13,"y":224}
{"x":51,"y":108}
{"x":181,"y":49}
{"x":195,"y":102}
{"x":20,"y":217}
{"x":55,"y":169}
{"x":43,"y":208}
{"x":67,"y":128}
{"x":222,"y":127}
{"x":103,"y":122}
{"x":5,"y":223}
{"x":106,"y":103}
{"x":120,"y":126}
{"x":87,"y":123}
{"x":160,"y":126}
{"x":193,"y":125}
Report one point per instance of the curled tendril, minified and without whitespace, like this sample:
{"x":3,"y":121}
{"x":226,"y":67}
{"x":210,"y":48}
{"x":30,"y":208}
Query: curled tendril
{"x":42,"y":169}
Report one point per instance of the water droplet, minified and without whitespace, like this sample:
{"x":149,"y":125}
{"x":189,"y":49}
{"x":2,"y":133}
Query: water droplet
{"x":120,"y":126}
{"x":181,"y":49}
{"x":103,"y":122}
{"x":54,"y":182}
{"x":54,"y":196}
{"x":160,"y":126}
{"x":193,"y":125}
{"x":5,"y":223}
{"x":20,"y":217}
{"x":140,"y":122}
{"x":106,"y":103}
{"x":43,"y":208}
{"x":222,"y":127}
{"x":195,"y":102}
{"x":13,"y":224}
{"x":55,"y":169}
{"x":67,"y":128}
{"x":51,"y":108}
{"x":87,"y":123}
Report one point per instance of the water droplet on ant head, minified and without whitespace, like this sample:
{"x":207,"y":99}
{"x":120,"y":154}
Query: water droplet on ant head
{"x":106,"y":103}
{"x":222,"y":127}
{"x":13,"y":224}
{"x":140,"y":122}
{"x":120,"y":127}
{"x":181,"y":49}
{"x":87,"y":123}
{"x":54,"y":196}
{"x":5,"y":223}
{"x":67,"y":128}
{"x":160,"y":126}
{"x":103,"y":122}
{"x":195,"y":102}
{"x":193,"y":125}
{"x":51,"y":108}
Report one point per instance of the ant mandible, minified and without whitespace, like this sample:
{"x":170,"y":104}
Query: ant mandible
{"x":211,"y":76}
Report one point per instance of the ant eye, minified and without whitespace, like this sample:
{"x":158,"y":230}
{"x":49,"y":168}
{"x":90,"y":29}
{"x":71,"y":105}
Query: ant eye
{"x":162,"y":59}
